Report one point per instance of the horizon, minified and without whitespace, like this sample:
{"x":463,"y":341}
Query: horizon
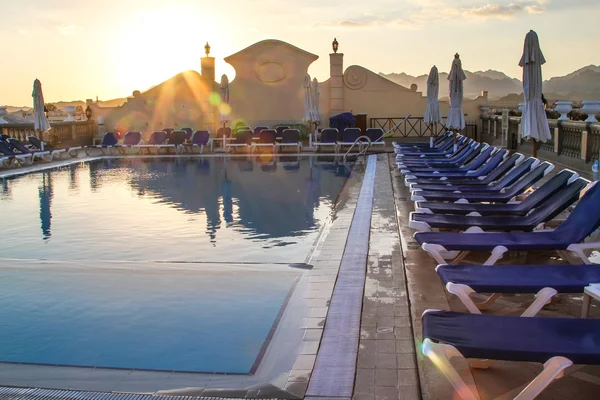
{"x":111,"y":49}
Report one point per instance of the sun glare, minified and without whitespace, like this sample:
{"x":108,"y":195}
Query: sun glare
{"x":156,"y":44}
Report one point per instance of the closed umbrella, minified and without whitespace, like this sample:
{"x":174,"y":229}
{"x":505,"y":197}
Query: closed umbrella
{"x":308,"y":101}
{"x":224,"y":108}
{"x":315,"y":104}
{"x":534,"y":121}
{"x":432,"y":113}
{"x":456,"y":118}
{"x":40,"y":122}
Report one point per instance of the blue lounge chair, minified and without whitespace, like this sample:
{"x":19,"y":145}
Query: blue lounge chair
{"x":188,"y":133}
{"x":280,"y":129}
{"x":458,"y":157}
{"x":497,"y":166}
{"x":11,"y":159}
{"x":108,"y":144}
{"x":349,"y":136}
{"x":464,"y":145}
{"x":502,"y":195}
{"x":329,"y":138}
{"x":156,"y":141}
{"x":439,"y":145}
{"x":176,"y":141}
{"x":290,"y":138}
{"x":446,"y":149}
{"x":567,"y":239}
{"x":515,"y":208}
{"x":243,"y":140}
{"x":22,"y":149}
{"x":267,"y":139}
{"x":376,"y":136}
{"x":514,"y":174}
{"x":431,"y":144}
{"x":221,"y":138}
{"x":472,"y":163}
{"x":199,"y":140}
{"x":37,"y":145}
{"x":131,"y":141}
{"x":566,"y":188}
{"x":556,"y":342}
{"x":545,"y":281}
{"x":257,"y":131}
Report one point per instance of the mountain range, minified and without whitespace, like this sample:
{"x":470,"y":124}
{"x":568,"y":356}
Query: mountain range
{"x":583,"y":84}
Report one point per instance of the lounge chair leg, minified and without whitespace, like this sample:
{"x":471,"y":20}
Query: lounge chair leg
{"x":554,"y":368}
{"x":497,"y":254}
{"x":435,"y":251}
{"x":461,"y":256}
{"x":577,"y":250}
{"x":490,"y":300}
{"x":463,"y":292}
{"x":541,"y":299}
{"x":440,"y":354}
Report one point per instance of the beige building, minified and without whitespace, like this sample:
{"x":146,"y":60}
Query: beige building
{"x":267,"y":90}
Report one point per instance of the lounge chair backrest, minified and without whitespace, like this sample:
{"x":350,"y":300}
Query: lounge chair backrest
{"x":188,"y":133}
{"x":4,"y":149}
{"x":177,"y":138}
{"x":517,"y":172}
{"x":280,"y":129}
{"x":329,"y":135}
{"x":243,"y":137}
{"x":35,"y":142}
{"x":584,"y":219}
{"x":259,"y":129}
{"x":268,"y":136}
{"x":158,"y":137}
{"x":19,"y":146}
{"x":374,"y":134}
{"x":132,"y":138}
{"x":503,"y":168}
{"x":479,"y":160}
{"x":529,"y":179}
{"x":290,"y":136}
{"x":109,"y":139}
{"x":243,"y":128}
{"x":349,"y":135}
{"x":555,"y":184}
{"x":223,"y":132}
{"x":560,"y":199}
{"x":200,"y":138}
{"x":168,"y":132}
{"x":4,"y":137}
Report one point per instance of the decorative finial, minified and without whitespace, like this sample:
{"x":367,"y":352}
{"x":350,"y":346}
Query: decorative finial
{"x":457,"y":55}
{"x":335,"y":45}
{"x":207,"y":49}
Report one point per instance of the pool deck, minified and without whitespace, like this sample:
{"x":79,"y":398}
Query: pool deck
{"x":503,"y":380}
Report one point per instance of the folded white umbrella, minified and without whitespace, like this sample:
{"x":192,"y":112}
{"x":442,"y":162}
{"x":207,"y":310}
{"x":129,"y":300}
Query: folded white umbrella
{"x":534,"y":122}
{"x":315,"y":102}
{"x":456,"y":118}
{"x":432,"y":113}
{"x":40,"y":122}
{"x":224,"y":92}
{"x":308,"y":102}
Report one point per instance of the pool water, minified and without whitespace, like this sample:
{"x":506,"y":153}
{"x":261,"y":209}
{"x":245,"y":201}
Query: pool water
{"x":207,"y":210}
{"x":175,"y":264}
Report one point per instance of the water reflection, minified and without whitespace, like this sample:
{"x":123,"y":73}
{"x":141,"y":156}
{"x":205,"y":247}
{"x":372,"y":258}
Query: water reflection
{"x":211,"y":202}
{"x":45,"y":194}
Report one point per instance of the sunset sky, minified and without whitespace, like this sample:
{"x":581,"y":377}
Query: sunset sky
{"x":109,"y":48}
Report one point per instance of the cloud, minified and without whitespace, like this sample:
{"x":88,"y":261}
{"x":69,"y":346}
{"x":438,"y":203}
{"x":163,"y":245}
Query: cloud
{"x":66,"y":29}
{"x":428,"y":11}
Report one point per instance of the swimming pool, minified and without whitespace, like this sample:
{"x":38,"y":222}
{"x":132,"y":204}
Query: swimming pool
{"x":177,"y":264}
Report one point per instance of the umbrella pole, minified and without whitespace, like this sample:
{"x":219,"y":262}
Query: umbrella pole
{"x":534,"y":145}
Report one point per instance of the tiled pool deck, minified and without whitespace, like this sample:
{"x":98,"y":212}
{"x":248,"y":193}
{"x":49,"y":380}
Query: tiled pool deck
{"x":503,"y":380}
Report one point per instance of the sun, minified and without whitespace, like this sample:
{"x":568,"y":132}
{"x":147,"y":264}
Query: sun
{"x":158,"y":43}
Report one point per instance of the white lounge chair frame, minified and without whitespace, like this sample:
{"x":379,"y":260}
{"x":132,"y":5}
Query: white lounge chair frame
{"x":441,"y":354}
